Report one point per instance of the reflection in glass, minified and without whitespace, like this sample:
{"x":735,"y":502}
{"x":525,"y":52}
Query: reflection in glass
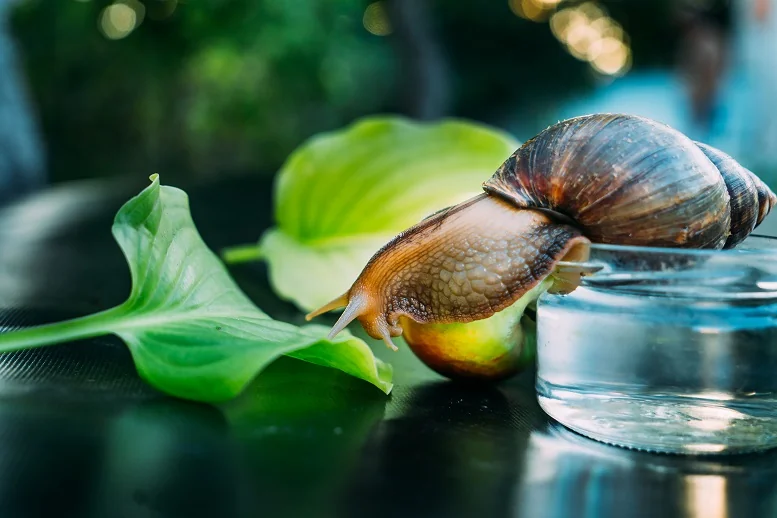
{"x":565,"y":474}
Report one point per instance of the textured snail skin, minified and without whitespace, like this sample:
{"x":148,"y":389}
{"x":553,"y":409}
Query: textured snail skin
{"x":601,"y":178}
{"x":460,"y":265}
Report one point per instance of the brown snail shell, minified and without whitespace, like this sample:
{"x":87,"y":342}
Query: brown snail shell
{"x":749,"y":196}
{"x":631,"y":181}
{"x":603,"y":178}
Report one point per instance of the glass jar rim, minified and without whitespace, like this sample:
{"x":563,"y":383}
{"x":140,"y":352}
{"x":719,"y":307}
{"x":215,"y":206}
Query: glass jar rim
{"x":748,"y":272}
{"x":767,"y":248}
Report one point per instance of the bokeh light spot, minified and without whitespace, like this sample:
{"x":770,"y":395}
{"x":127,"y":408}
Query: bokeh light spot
{"x":376,"y":20}
{"x":534,"y":10}
{"x":548,"y":4}
{"x":591,"y":10}
{"x":614,"y":60}
{"x":117,"y":21}
{"x":606,"y":45}
{"x":580,"y":38}
{"x":564,"y":21}
{"x":589,"y":34}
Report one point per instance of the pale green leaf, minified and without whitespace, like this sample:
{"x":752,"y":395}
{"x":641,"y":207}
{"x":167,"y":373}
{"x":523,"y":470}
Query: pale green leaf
{"x":342,"y":195}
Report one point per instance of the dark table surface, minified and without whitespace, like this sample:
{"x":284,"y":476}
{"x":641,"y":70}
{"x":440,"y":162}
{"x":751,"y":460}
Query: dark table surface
{"x":83,"y":436}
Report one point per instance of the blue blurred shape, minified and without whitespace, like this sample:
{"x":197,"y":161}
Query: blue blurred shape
{"x":22,"y":161}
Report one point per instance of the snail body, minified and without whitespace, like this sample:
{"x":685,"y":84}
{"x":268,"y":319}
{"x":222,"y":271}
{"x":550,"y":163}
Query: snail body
{"x":603,"y":178}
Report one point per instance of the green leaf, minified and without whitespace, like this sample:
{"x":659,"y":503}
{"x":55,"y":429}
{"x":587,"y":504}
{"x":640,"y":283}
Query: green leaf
{"x":192,"y":333}
{"x":343,"y":195}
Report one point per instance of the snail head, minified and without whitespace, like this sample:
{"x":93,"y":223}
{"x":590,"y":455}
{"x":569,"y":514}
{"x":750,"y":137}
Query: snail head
{"x":459,"y":265}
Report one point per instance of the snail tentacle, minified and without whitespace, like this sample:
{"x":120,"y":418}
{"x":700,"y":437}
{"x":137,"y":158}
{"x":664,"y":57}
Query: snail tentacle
{"x":356,"y":306}
{"x":338,"y":303}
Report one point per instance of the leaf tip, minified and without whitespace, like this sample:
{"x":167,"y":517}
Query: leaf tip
{"x":154,"y":178}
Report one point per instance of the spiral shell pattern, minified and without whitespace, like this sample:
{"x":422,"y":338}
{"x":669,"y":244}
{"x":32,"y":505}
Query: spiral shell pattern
{"x":628,"y":180}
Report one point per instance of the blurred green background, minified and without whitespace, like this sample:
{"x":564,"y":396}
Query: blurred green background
{"x":208,"y":88}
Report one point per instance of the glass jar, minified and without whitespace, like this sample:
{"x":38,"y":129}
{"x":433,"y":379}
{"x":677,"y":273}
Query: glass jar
{"x":666,"y":350}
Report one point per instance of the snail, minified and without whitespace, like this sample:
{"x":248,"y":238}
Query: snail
{"x":601,"y":178}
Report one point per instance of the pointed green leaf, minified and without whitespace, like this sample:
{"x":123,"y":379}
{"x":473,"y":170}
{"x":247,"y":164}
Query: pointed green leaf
{"x":191,"y":331}
{"x":342,"y":195}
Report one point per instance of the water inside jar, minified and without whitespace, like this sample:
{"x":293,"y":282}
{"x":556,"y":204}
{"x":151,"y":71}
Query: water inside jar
{"x":665,"y":352}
